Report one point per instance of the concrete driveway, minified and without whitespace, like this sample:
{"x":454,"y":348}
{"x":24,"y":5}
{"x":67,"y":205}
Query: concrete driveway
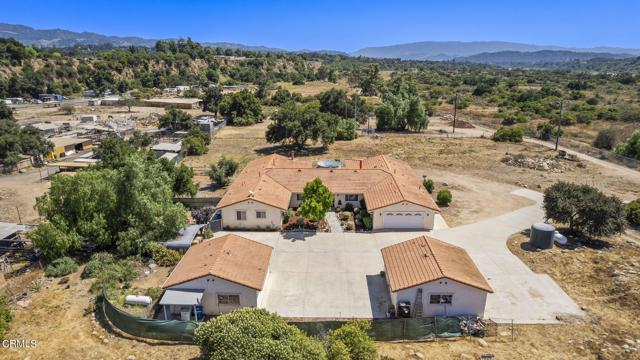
{"x":336,"y":276}
{"x":520,"y":294}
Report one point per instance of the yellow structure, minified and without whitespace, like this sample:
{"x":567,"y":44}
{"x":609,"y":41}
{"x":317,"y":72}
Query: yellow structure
{"x":67,"y":145}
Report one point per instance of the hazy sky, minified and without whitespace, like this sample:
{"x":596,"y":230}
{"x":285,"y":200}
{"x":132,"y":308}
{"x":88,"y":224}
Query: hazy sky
{"x":342,"y":25}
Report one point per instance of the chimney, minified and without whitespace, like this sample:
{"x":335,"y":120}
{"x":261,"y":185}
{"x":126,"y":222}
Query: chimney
{"x":293,"y":154}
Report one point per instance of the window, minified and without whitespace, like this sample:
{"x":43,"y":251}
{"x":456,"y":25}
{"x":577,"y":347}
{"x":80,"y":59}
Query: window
{"x":228,"y":299}
{"x":351,"y":197}
{"x":261,"y":214}
{"x":241,"y":215}
{"x":440,"y":299}
{"x":299,"y":197}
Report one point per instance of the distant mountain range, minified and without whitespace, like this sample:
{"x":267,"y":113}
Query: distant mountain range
{"x":488,"y":52}
{"x":448,"y":50}
{"x":537,"y":58}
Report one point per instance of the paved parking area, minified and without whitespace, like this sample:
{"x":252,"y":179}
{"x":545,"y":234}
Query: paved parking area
{"x":337,"y":275}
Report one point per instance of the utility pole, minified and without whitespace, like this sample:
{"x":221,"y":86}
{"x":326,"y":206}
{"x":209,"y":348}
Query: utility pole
{"x":455,"y":108}
{"x":559,"y":122}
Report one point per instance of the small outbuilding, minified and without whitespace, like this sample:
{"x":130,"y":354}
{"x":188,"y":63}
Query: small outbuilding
{"x":434,"y":278}
{"x":217,"y":276}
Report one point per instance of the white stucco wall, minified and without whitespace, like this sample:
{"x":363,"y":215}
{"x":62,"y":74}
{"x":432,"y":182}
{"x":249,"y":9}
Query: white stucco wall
{"x":466,"y":300}
{"x":213,"y":286}
{"x":272,"y":221}
{"x":378,"y":214}
{"x":338,"y":200}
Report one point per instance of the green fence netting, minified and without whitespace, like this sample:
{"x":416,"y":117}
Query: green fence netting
{"x":394,"y":329}
{"x":381,"y":330}
{"x":169,"y":330}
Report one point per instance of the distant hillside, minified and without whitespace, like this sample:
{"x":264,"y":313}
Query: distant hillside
{"x":447,"y":50}
{"x":532,"y":59}
{"x":65,"y":38}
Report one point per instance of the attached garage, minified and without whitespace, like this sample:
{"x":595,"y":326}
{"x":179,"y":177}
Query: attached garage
{"x":404,"y":220}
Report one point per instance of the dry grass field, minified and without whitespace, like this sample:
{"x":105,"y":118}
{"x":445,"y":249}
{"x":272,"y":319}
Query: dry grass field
{"x":60,"y":315}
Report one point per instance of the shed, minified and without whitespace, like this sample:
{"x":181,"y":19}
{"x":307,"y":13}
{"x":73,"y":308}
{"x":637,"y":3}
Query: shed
{"x":435,"y":277}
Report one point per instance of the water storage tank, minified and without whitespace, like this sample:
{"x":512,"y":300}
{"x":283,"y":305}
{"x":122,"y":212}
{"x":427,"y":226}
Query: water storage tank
{"x":542,"y":236}
{"x":137,"y":300}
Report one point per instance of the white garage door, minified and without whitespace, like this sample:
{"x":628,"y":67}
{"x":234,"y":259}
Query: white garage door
{"x":404,"y":220}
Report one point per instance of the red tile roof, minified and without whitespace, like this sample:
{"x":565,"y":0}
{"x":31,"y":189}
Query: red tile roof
{"x":424,"y":259}
{"x":383,"y":181}
{"x":230,"y":257}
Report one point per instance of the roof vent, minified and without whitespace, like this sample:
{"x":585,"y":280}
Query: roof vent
{"x":251,"y":193}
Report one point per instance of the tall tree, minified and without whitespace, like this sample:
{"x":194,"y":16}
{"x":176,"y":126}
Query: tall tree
{"x":317,"y":199}
{"x":211,"y":99}
{"x":176,"y":119}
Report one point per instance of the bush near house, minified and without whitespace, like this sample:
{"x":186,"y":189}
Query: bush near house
{"x":61,"y":267}
{"x":353,"y":338}
{"x":163,"y":256}
{"x":444,"y":197}
{"x":221,"y":172}
{"x":428,"y":184}
{"x":255,"y":334}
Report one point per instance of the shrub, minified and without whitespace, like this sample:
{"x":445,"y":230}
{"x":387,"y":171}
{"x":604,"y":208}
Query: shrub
{"x":505,"y":134}
{"x":514,"y":118}
{"x":154,"y":292}
{"x":630,"y":148}
{"x":5,"y":317}
{"x":606,"y":139}
{"x":221,"y":172}
{"x":163,"y":256}
{"x":428,"y":184}
{"x":61,"y":267}
{"x":97,"y":262}
{"x":110,"y":275}
{"x":287,"y":215}
{"x":444,"y":197}
{"x":348,"y":207}
{"x":585,"y":209}
{"x":349,"y":226}
{"x":254,"y":334}
{"x":632,"y":211}
{"x":243,"y":121}
{"x":68,"y":109}
{"x":367,"y":222}
{"x":354,"y":335}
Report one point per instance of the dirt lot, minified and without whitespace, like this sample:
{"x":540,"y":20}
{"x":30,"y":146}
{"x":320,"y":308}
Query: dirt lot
{"x":18,"y":195}
{"x":61,"y":319}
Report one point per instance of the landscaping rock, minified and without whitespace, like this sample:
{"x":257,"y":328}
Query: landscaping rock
{"x":24,"y":303}
{"x":481,"y":342}
{"x":466,"y":357}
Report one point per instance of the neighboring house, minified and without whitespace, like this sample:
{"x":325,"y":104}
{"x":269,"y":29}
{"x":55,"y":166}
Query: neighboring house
{"x":435,"y":278}
{"x":268,"y":186}
{"x":180,"y":103}
{"x":218,"y":276}
{"x":47,"y":128}
{"x":67,"y":145}
{"x":170,"y":151}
